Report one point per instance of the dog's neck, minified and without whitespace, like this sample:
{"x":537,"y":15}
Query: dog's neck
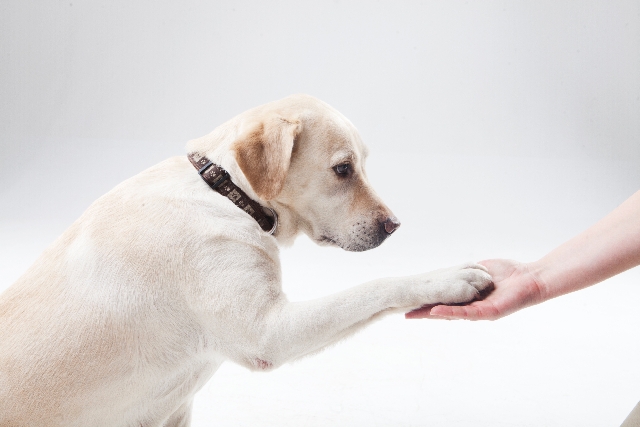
{"x":219,"y":180}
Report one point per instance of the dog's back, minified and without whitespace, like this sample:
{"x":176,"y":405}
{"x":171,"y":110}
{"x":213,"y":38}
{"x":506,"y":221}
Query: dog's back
{"x":100,"y":323}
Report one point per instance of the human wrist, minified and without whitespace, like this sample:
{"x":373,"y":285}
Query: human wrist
{"x":540,"y":277}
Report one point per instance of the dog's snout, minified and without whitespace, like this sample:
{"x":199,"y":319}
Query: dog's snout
{"x":391,"y":224}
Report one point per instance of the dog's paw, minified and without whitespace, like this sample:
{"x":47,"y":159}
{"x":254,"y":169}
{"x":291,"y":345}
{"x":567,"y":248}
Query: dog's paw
{"x":454,"y":285}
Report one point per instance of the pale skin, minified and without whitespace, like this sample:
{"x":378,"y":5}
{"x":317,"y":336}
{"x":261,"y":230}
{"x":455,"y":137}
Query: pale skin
{"x":607,"y":248}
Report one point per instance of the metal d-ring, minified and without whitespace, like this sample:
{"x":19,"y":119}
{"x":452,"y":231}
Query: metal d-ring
{"x":275,"y":220}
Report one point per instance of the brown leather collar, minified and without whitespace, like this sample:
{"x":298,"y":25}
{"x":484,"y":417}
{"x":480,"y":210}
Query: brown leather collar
{"x":220,"y":181}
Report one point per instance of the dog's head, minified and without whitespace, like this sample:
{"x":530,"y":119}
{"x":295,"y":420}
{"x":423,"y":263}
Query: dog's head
{"x":306,"y":160}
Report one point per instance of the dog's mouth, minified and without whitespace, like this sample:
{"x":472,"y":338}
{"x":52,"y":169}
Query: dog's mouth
{"x":361,"y":236}
{"x":327,"y":240}
{"x":356,"y":246}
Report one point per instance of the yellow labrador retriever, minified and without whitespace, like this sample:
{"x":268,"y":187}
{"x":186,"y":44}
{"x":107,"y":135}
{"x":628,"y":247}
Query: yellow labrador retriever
{"x":129,"y":313}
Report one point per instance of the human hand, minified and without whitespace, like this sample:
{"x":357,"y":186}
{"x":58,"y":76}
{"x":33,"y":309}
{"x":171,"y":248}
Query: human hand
{"x":515,"y":287}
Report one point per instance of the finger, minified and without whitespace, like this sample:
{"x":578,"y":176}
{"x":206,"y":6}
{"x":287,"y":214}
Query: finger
{"x":450,"y":311}
{"x":500,"y":269}
{"x":489,"y":264}
{"x":473,"y":311}
{"x":419,"y":313}
{"x":442,"y":312}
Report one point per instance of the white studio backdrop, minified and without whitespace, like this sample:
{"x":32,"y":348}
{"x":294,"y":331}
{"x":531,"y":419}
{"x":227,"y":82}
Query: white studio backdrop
{"x":516,"y":124}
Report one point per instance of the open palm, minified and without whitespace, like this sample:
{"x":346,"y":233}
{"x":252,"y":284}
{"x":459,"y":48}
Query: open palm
{"x":514,"y":288}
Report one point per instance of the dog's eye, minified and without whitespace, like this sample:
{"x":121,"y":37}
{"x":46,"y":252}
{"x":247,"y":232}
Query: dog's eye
{"x":342,"y":169}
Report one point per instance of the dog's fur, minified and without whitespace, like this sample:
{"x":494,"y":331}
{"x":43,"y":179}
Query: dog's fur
{"x":136,"y":305}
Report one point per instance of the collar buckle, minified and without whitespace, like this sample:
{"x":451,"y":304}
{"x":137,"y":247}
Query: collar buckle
{"x":274,"y":215}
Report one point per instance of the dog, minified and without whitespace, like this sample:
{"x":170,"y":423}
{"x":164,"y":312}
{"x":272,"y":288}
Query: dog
{"x":174,"y":271}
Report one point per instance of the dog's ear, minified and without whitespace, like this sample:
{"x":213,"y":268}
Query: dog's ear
{"x":264,"y":154}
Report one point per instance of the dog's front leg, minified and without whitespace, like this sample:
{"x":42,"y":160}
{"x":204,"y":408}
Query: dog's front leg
{"x":294,"y":329}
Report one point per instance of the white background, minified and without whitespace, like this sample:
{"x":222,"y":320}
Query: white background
{"x":496,"y":129}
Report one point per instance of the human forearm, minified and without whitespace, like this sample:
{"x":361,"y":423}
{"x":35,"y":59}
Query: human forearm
{"x":607,"y":248}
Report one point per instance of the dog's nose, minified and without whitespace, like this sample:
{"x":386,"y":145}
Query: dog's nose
{"x":391,"y":224}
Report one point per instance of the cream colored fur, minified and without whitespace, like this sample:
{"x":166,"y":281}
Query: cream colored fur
{"x":129,"y":313}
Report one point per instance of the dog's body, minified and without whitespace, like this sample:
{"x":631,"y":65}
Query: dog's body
{"x":137,"y":304}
